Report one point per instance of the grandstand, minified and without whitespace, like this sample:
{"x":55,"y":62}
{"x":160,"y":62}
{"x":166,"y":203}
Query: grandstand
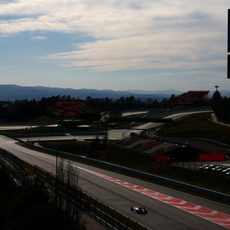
{"x":67,"y":108}
{"x":189,"y":98}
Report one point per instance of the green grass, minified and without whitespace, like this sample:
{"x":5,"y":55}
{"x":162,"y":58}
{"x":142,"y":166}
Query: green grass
{"x":198,"y":126}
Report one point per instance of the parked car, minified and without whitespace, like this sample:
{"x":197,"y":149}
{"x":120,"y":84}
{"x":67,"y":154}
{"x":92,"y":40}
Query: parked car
{"x":220,"y":169}
{"x":209,"y":167}
{"x":203,"y":166}
{"x":139,"y":210}
{"x":224,"y":171}
{"x":214,"y":169}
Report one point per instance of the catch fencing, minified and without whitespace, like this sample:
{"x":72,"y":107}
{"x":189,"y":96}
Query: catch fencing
{"x":139,"y":174}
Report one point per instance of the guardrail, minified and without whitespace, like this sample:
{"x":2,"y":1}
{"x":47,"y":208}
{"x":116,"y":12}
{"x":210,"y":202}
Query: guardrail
{"x":102,"y":212}
{"x":136,"y":173}
{"x":84,"y":202}
{"x":181,"y":139}
{"x":80,"y":132}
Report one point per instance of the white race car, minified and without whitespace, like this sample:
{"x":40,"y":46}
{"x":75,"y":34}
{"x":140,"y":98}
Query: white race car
{"x":139,"y":210}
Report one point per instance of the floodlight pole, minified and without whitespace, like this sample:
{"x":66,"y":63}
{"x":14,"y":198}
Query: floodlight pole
{"x":228,"y":48}
{"x":228,"y":30}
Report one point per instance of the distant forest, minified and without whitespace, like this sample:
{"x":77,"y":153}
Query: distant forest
{"x":42,"y":110}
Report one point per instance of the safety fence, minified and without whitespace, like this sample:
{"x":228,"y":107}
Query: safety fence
{"x":139,"y":174}
{"x":66,"y":196}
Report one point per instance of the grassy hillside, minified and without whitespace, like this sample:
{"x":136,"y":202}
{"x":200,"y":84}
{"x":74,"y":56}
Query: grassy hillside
{"x":198,"y":126}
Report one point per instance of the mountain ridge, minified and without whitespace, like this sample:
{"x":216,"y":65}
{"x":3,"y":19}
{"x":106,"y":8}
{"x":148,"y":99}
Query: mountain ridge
{"x":11,"y":92}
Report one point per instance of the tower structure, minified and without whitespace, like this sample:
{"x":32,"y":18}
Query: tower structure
{"x":228,"y":49}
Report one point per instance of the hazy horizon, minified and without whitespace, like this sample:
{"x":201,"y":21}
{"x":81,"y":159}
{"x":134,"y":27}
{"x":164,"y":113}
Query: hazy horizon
{"x":128,"y":90}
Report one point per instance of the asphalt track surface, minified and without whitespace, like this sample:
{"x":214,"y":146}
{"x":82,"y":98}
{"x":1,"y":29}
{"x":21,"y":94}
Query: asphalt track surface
{"x":120,"y":134}
{"x":168,"y":208}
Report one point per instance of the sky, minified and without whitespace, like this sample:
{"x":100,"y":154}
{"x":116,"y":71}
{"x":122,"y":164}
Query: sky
{"x":114,"y":44}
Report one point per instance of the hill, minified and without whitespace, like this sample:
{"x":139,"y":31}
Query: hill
{"x":15,"y":92}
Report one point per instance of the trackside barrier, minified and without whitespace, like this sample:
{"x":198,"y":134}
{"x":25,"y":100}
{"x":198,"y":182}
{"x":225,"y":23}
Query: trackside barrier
{"x":180,"y":139}
{"x":14,"y":169}
{"x":101,"y":212}
{"x":78,"y":133}
{"x":136,"y":173}
{"x":105,"y":214}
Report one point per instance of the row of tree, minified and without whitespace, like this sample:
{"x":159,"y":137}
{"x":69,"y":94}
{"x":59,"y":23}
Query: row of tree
{"x":39,"y":110}
{"x":32,"y":110}
{"x":28,"y":207}
{"x":221,"y":107}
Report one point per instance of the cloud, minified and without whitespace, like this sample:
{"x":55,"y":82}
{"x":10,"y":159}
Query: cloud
{"x":39,"y":38}
{"x":164,"y":50}
{"x":130,"y":34}
{"x":105,"y":18}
